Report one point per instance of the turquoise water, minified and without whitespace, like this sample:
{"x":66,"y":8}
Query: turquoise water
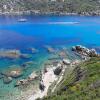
{"x":38,"y":31}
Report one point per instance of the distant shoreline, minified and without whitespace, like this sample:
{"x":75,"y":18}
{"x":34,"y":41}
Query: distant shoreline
{"x":33,"y":12}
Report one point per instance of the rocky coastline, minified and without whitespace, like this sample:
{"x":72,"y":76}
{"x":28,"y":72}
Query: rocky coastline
{"x":51,"y":74}
{"x":54,"y":13}
{"x":58,"y":71}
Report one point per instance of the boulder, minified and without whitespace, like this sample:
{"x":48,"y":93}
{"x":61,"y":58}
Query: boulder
{"x":92,"y":53}
{"x":66,"y":62}
{"x":57,"y":71}
{"x":41,"y":86}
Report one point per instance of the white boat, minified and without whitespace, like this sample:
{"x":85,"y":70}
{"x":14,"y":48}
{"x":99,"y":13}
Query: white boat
{"x":22,"y":20}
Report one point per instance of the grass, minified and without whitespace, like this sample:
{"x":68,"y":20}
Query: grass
{"x":87,"y":87}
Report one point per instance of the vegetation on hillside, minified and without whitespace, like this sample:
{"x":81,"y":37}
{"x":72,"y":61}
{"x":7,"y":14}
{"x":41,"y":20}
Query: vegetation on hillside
{"x":82,"y":84}
{"x":57,"y":6}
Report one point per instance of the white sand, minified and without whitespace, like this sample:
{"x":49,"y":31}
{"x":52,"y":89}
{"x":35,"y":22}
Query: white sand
{"x":48,"y":78}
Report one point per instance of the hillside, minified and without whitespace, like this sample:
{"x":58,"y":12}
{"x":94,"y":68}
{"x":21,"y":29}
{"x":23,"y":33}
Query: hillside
{"x":82,"y":84}
{"x":85,"y":7}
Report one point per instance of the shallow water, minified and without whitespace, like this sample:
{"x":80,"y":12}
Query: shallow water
{"x":38,"y":31}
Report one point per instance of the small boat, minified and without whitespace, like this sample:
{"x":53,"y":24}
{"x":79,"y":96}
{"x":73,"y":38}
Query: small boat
{"x":22,"y":20}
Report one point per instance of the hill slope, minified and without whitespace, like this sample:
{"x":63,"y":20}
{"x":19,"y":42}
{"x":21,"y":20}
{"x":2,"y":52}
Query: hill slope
{"x":82,"y":84}
{"x":63,"y":6}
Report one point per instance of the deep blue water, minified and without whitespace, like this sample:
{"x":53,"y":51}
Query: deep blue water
{"x":55,"y":31}
{"x":39,"y":31}
{"x":42,"y":30}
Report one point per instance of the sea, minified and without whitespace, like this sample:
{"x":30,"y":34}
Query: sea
{"x":37,"y":32}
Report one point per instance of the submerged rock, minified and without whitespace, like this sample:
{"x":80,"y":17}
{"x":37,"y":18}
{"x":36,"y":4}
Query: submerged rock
{"x":34,"y":50}
{"x":27,"y":80}
{"x":50,"y":49}
{"x":7,"y":80}
{"x":1,"y":76}
{"x":25,"y":56}
{"x":13,"y":72}
{"x":9,"y":53}
{"x":63,"y":54}
{"x":12,"y":54}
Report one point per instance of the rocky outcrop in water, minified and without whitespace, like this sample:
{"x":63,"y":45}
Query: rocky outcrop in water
{"x":85,"y":51}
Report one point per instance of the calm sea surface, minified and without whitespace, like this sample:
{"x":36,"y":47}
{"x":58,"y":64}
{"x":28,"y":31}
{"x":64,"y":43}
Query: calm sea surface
{"x":39,"y":31}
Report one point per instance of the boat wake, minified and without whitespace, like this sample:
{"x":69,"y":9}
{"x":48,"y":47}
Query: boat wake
{"x":63,"y":23}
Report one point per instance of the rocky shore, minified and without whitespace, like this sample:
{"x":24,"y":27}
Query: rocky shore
{"x":55,"y":74}
{"x":58,"y":13}
{"x":52,"y":73}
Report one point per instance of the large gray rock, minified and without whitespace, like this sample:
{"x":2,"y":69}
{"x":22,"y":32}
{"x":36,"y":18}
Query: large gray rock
{"x":41,"y":86}
{"x":57,"y":71}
